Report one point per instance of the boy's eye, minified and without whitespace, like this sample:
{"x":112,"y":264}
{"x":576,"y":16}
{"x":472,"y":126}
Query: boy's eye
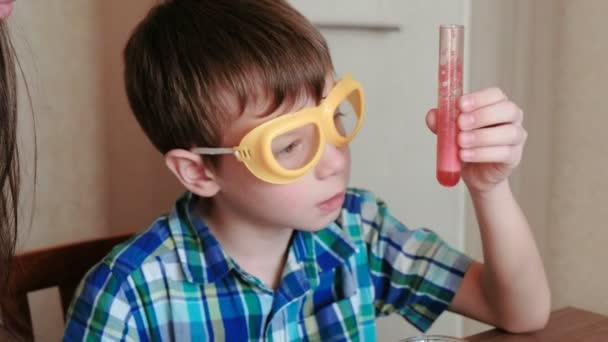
{"x":289,"y":149}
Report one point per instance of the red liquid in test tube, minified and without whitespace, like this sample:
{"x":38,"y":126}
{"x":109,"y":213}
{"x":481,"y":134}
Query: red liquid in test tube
{"x":451,"y":44}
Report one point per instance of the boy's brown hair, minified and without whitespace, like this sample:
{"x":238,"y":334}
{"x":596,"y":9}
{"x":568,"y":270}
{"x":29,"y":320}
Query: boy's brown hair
{"x":188,"y":56}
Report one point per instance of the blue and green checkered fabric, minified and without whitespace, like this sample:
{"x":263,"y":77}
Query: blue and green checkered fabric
{"x":174,"y":282}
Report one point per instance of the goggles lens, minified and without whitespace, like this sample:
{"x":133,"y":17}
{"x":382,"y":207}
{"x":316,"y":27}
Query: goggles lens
{"x":296,"y":148}
{"x":347,"y":115}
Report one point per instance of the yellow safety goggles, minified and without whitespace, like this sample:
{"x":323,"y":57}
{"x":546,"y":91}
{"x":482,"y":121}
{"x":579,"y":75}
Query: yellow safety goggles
{"x":283,"y":149}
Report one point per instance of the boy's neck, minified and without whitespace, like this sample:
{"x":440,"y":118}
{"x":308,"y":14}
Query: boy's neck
{"x":258,"y":249}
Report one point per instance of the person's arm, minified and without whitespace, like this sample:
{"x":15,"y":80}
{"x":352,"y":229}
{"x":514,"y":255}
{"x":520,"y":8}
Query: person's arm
{"x":100,"y":309}
{"x":510,"y":289}
{"x":414,"y":272}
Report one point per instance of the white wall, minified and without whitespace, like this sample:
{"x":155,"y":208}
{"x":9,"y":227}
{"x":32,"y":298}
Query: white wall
{"x":391,"y":46}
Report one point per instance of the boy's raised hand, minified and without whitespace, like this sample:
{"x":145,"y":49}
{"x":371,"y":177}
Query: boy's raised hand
{"x":491,"y":137}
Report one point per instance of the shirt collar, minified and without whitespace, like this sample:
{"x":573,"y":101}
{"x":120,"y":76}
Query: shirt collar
{"x":203,"y":260}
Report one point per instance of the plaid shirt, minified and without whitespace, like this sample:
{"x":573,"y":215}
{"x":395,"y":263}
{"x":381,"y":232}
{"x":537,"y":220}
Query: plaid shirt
{"x":174,"y":282}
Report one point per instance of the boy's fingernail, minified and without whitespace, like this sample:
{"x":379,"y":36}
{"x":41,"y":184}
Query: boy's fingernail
{"x":465,"y":102}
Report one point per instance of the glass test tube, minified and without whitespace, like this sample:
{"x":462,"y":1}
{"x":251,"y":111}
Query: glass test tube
{"x":451,"y":46}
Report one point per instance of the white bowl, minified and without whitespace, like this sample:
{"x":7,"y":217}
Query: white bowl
{"x":433,"y":338}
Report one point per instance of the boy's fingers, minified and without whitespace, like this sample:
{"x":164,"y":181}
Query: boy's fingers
{"x":482,"y":98}
{"x":509,"y":155}
{"x":496,"y":114}
{"x":431,"y":120}
{"x":502,"y":135}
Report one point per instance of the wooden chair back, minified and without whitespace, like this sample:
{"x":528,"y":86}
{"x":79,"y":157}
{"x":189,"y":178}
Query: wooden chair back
{"x":61,"y":266}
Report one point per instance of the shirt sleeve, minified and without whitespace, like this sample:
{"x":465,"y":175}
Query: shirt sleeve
{"x":100,"y":310}
{"x":414,"y":272}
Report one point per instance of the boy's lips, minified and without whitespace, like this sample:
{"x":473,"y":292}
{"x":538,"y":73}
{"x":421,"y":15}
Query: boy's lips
{"x":332,"y":203}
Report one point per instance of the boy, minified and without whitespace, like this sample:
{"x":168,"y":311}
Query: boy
{"x":268,"y":243}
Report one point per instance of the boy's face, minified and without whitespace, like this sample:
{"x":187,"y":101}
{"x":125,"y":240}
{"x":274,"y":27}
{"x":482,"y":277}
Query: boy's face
{"x":309,"y":203}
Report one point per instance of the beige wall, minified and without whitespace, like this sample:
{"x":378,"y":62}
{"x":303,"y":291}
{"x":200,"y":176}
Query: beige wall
{"x":577,"y":231}
{"x":97,"y":174}
{"x":562,"y":184}
{"x":552,"y":61}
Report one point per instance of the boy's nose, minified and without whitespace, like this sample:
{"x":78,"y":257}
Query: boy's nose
{"x":333,"y":161}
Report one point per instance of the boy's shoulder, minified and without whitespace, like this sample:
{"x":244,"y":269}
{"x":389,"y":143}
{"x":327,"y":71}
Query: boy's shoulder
{"x":362,"y":202}
{"x":151,"y":245}
{"x":365,"y":216}
{"x":361,"y":211}
{"x":158,"y":244}
{"x":356,"y":196}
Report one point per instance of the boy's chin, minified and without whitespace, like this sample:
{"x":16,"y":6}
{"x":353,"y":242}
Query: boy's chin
{"x":322,"y":224}
{"x":313,"y":229}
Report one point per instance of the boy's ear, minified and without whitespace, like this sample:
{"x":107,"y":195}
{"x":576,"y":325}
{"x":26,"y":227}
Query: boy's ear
{"x":192,"y":172}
